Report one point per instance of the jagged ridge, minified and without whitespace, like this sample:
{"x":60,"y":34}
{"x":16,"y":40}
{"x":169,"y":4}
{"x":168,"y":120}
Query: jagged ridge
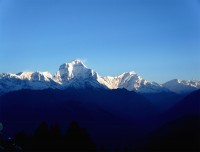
{"x":76,"y":75}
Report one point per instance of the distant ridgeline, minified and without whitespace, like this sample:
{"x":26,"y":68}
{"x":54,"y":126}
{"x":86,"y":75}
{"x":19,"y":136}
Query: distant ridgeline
{"x":76,"y":75}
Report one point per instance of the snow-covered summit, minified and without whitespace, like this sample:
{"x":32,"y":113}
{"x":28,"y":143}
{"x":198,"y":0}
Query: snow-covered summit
{"x":26,"y":80}
{"x":35,"y":76}
{"x":73,"y":69}
{"x":132,"y":82}
{"x":25,"y":75}
{"x":76,"y":74}
{"x":182,"y":86}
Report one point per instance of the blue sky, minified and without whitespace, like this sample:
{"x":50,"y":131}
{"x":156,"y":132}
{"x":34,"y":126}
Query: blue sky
{"x":159,"y":40}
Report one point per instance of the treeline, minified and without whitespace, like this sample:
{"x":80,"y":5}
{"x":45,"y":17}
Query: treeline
{"x":50,"y":139}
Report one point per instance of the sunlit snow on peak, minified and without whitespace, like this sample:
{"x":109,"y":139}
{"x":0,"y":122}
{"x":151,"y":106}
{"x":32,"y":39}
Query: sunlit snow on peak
{"x":75,"y":74}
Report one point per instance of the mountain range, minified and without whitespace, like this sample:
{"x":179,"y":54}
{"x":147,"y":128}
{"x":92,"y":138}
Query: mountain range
{"x":125,"y":110}
{"x":76,"y":75}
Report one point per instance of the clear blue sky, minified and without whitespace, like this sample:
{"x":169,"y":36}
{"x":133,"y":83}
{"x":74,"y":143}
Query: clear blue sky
{"x":158,"y":39}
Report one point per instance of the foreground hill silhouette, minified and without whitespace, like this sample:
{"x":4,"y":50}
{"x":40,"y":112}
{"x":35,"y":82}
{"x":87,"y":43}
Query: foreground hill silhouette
{"x":113,"y":118}
{"x":163,"y":100}
{"x":189,"y":105}
{"x":176,"y":129}
{"x":181,"y":134}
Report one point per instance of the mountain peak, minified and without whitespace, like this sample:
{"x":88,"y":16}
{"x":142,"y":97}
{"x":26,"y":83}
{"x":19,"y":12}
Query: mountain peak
{"x":175,"y":80}
{"x":132,"y":72}
{"x":72,"y":64}
{"x":25,"y":75}
{"x":127,"y":74}
{"x":74,"y":70}
{"x":182,"y":86}
{"x":76,"y":62}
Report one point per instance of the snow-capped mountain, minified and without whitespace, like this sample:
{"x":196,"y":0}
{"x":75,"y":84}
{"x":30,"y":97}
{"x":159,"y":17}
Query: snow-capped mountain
{"x":76,"y":75}
{"x":132,"y":82}
{"x":35,"y":76}
{"x":26,"y":80}
{"x":182,"y":86}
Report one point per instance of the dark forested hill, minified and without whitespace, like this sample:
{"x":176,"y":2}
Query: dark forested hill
{"x":110,"y":115}
{"x":114,"y":118}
